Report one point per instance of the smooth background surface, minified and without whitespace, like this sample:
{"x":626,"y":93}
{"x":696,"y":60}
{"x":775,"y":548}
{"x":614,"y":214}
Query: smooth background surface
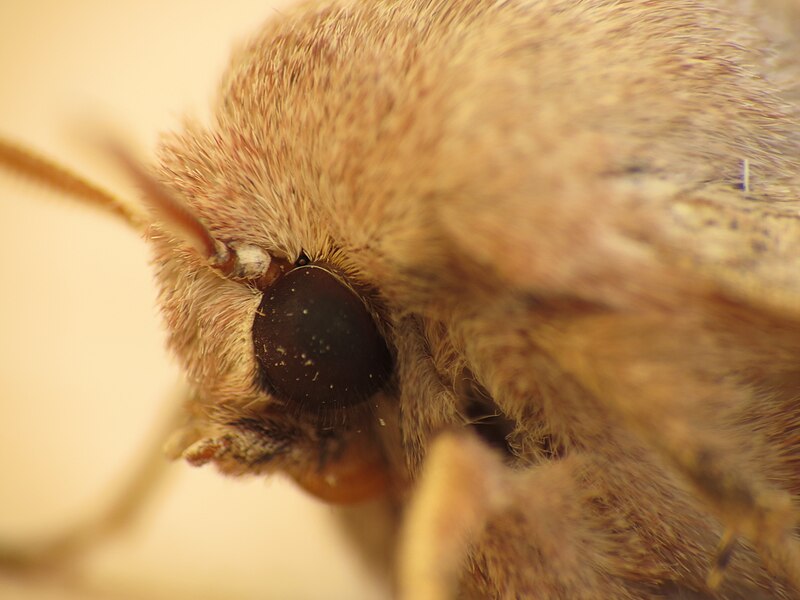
{"x":83,"y":370}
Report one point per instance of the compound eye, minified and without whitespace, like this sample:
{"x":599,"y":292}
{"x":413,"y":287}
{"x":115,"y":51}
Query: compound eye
{"x":317,"y":345}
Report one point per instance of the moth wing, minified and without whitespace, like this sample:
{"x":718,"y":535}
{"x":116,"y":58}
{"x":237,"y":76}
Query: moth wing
{"x":639,"y":244}
{"x":695,"y":343}
{"x":744,"y":247}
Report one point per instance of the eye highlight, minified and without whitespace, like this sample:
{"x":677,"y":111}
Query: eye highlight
{"x":317,"y":345}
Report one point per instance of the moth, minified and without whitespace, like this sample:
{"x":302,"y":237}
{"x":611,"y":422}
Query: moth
{"x":524,"y":270}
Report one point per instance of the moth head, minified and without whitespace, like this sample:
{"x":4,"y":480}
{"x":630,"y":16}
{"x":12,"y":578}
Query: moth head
{"x":298,"y":197}
{"x":285,"y":348}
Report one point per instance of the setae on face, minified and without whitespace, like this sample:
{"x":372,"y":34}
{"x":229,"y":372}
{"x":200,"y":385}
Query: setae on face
{"x":562,"y":270}
{"x":85,"y":375}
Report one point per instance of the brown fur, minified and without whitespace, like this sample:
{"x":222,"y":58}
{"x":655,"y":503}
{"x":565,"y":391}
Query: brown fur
{"x":579,"y":217}
{"x":546,"y":197}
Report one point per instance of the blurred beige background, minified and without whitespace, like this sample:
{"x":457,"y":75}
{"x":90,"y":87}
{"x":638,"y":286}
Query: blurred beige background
{"x":83,"y":372}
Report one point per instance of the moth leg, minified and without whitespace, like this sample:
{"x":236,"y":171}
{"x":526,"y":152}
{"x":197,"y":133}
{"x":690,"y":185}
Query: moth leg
{"x":473,"y":519}
{"x":727,"y":545}
{"x":126,"y":504}
{"x":671,"y":382}
{"x":747,"y":505}
{"x":461,"y":486}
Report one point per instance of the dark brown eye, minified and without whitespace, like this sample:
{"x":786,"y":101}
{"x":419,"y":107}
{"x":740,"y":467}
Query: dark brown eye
{"x":317,"y":345}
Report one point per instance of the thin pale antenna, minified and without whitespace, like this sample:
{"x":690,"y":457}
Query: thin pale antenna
{"x":240,"y":261}
{"x":171,"y":213}
{"x":233,"y":259}
{"x":41,"y":170}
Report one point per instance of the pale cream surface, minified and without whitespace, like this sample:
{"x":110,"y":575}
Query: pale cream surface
{"x":83,"y":370}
